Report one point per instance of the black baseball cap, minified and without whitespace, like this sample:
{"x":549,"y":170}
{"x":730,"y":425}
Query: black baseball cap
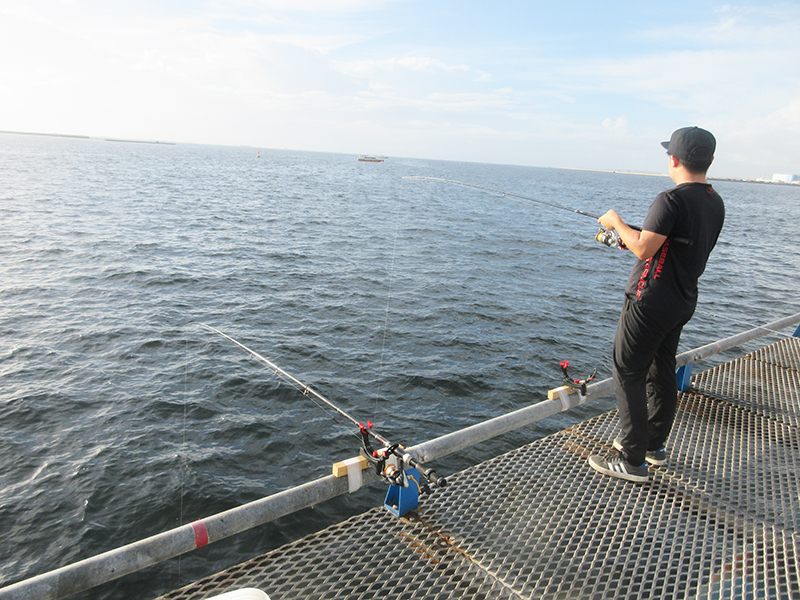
{"x":691,"y":145}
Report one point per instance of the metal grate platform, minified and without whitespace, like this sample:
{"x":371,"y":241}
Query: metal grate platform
{"x":720,"y":520}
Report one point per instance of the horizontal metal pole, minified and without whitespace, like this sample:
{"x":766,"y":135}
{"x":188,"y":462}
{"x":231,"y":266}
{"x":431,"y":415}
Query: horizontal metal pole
{"x":481,"y":432}
{"x":111,"y":565}
{"x":100,"y":569}
{"x":735,"y":340}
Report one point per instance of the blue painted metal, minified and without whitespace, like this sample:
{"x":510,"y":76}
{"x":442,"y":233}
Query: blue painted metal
{"x":684,"y":377}
{"x":400,"y":500}
{"x":796,"y":332}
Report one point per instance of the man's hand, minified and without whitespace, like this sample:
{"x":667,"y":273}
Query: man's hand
{"x":643,"y":244}
{"x":610,"y":220}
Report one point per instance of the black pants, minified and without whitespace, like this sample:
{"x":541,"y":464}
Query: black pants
{"x":644,"y":376}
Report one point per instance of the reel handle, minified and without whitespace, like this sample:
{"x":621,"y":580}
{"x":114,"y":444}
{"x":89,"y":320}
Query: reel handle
{"x":433,"y":477}
{"x":428,"y":473}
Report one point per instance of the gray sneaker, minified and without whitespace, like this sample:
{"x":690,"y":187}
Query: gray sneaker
{"x":616,"y":466}
{"x":654,"y":457}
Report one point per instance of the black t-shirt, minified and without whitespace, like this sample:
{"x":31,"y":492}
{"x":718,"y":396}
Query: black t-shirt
{"x":668,"y":280}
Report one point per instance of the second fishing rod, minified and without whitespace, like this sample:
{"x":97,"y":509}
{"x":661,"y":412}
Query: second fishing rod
{"x":604,"y":236}
{"x":377,"y":458}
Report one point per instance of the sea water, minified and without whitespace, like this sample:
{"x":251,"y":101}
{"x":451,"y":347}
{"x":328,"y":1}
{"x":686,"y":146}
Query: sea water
{"x":419,"y":305}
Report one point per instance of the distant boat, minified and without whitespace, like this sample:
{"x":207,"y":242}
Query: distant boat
{"x":366,"y":158}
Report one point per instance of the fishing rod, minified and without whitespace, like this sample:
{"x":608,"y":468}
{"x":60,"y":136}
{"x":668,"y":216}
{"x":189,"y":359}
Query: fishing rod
{"x":377,"y":458}
{"x":604,"y":236}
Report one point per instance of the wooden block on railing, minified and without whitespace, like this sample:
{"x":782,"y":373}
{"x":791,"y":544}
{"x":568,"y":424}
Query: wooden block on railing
{"x":556,"y":393}
{"x":340,"y":468}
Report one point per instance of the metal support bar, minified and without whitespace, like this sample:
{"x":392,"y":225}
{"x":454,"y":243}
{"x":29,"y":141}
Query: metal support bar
{"x":458,"y":440}
{"x":111,"y":565}
{"x":735,"y":340}
{"x":480,"y":432}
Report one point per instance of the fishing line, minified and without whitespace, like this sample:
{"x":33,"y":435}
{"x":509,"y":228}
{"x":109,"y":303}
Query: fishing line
{"x":317,"y":398}
{"x":388,"y":303}
{"x":376,"y":458}
{"x":182,"y":461}
{"x":391,"y":285}
{"x":503,"y":193}
{"x":609,"y":238}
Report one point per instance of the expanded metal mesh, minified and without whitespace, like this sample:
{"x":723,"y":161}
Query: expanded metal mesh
{"x":766,"y":381}
{"x":718,"y":521}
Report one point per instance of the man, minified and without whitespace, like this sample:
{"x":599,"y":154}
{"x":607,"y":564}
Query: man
{"x":672,"y":248}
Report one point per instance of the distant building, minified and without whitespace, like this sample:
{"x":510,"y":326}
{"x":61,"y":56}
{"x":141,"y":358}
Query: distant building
{"x":785,"y":178}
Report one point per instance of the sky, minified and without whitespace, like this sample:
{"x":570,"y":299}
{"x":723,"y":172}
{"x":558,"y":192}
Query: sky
{"x":577,"y":84}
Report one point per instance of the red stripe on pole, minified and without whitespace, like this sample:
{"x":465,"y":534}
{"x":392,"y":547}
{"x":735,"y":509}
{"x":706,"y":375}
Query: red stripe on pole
{"x":200,"y":534}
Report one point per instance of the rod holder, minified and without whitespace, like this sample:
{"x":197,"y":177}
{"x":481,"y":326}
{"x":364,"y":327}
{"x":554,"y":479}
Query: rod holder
{"x":401,"y":500}
{"x":683,"y":377}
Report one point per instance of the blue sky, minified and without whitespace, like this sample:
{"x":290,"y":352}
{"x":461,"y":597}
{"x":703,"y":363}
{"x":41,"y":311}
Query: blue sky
{"x":570,"y":84}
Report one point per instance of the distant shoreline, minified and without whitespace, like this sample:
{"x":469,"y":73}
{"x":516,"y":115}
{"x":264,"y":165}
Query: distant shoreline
{"x":86,"y":137}
{"x":63,"y":135}
{"x":767,"y":181}
{"x":138,"y":141}
{"x":610,"y":171}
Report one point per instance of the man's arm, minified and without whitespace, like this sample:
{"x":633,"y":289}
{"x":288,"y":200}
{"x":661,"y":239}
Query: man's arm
{"x":643,"y":244}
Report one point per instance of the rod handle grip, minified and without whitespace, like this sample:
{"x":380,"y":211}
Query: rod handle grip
{"x":433,"y":477}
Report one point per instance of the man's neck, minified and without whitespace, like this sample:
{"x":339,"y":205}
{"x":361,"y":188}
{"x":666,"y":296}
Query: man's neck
{"x":681,"y":175}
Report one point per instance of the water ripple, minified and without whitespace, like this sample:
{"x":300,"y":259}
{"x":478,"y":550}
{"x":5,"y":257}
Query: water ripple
{"x":420,"y":306}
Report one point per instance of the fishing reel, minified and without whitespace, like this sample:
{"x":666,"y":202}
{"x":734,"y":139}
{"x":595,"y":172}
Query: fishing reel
{"x":396,"y":473}
{"x":407,"y":479}
{"x":578,"y":384}
{"x":392,"y":473}
{"x":610,"y":239}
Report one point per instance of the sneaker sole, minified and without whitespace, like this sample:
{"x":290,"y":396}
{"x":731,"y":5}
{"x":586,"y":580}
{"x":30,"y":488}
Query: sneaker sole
{"x":650,"y":459}
{"x":618,"y":474}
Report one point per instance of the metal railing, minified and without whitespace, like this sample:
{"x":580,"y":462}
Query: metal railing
{"x":113,"y":564}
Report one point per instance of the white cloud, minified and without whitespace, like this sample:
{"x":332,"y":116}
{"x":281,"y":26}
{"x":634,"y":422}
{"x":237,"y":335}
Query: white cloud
{"x":323,"y":44}
{"x":618,"y":126}
{"x":327,"y":6}
{"x":761,"y":145}
{"x":420,"y":64}
{"x":254,"y":68}
{"x":730,"y":26}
